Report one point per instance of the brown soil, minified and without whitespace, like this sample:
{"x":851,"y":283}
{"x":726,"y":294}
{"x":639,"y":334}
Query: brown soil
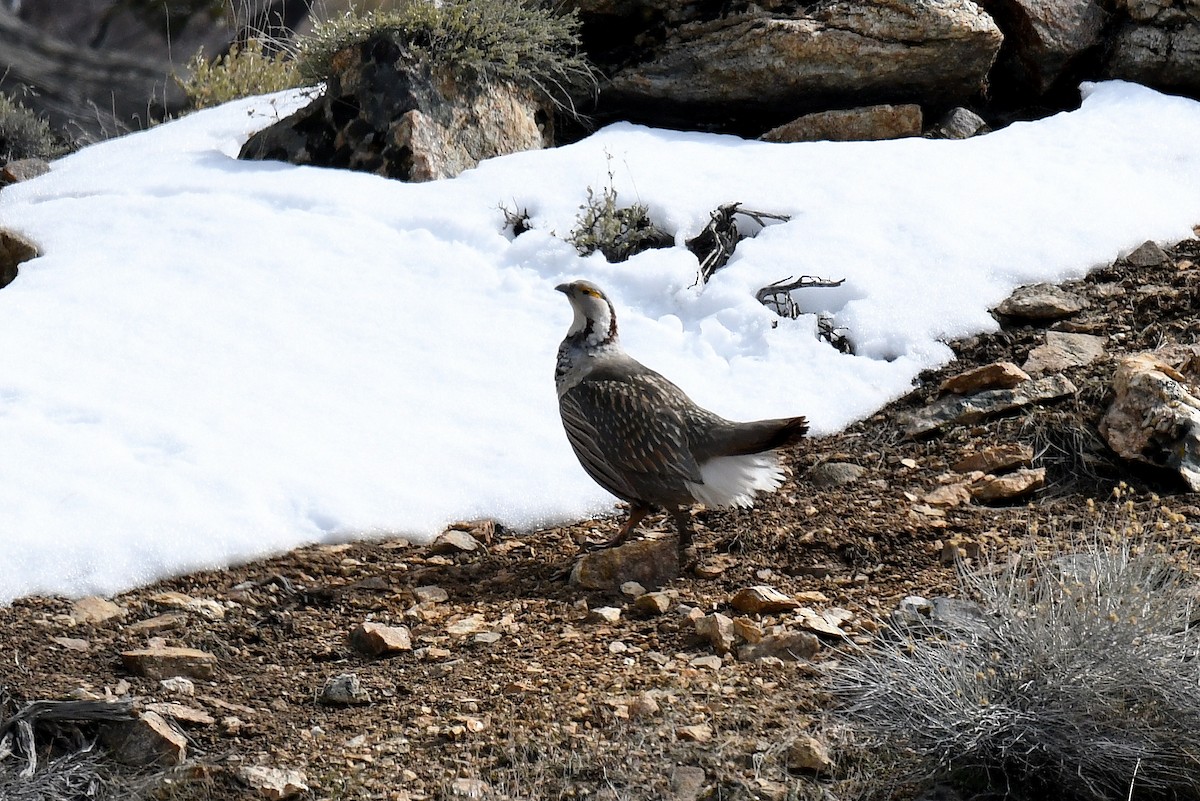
{"x":556,"y":707}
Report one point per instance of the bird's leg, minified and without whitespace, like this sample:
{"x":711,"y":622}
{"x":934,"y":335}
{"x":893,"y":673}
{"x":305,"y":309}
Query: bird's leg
{"x":636,"y":513}
{"x":683,"y":524}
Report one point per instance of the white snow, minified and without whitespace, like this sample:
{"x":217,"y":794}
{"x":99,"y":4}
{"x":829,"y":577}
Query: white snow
{"x":216,"y":360}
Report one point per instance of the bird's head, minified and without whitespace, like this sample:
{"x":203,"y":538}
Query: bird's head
{"x":595,"y":320}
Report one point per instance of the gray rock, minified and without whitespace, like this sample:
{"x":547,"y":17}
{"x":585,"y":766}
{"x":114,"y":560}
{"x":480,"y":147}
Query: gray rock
{"x":844,"y":53}
{"x":1148,"y":254}
{"x":868,"y":123}
{"x":412,"y":123}
{"x":345,"y":689}
{"x":1062,"y":350}
{"x":955,"y":410}
{"x":1162,"y":57}
{"x":1155,"y":415}
{"x":958,"y":123}
{"x":148,"y":740}
{"x":1044,"y":38}
{"x":835,"y":474}
{"x":1041,"y":302}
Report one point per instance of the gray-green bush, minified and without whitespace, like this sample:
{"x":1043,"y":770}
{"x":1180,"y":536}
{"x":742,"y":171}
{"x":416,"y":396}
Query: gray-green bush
{"x":24,"y":134}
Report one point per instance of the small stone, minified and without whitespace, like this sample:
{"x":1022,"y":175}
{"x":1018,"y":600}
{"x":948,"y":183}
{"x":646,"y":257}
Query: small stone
{"x":454,"y":541}
{"x":232,"y":726}
{"x":376,"y":639}
{"x":710,"y":662}
{"x":700,"y":733}
{"x":470,"y":788}
{"x":714,"y":567}
{"x":486,"y":638}
{"x":946,"y":496}
{"x":958,"y":123}
{"x":94,"y":610}
{"x":344,"y":689}
{"x":431,"y":594}
{"x":819,"y":623}
{"x":1147,"y":255}
{"x":471,"y":624}
{"x":604,"y":614}
{"x":687,"y":783}
{"x":653,"y":603}
{"x":717,"y":630}
{"x":993,"y":489}
{"x":835,"y":474}
{"x":1041,"y":302}
{"x":631,"y":589}
{"x":275,"y":784}
{"x":72,"y":643}
{"x":182,"y":713}
{"x":651,"y":563}
{"x":790,"y":647}
{"x":178,"y":685}
{"x":644,"y":706}
{"x":19,"y":170}
{"x":158,"y":623}
{"x":762,"y":600}
{"x":1063,"y":349}
{"x":997,"y":375}
{"x":205,"y":607}
{"x":747,"y":630}
{"x":808,"y":753}
{"x":995,"y":459}
{"x":164,"y":662}
{"x":148,"y":740}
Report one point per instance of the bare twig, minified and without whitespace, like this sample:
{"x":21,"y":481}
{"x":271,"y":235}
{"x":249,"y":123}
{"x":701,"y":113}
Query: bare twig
{"x":714,"y":245}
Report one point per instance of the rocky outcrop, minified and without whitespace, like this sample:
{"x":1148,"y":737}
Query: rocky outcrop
{"x":836,"y":55}
{"x":383,"y":113}
{"x":1158,"y":44}
{"x":1045,"y":40}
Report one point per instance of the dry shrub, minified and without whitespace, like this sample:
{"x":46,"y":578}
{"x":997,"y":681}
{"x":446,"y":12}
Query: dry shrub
{"x":243,"y":72}
{"x":1081,"y":680}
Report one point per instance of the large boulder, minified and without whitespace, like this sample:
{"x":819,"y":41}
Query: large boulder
{"x":779,"y":64}
{"x":382,"y":112}
{"x":1046,"y":41}
{"x":1158,"y":45}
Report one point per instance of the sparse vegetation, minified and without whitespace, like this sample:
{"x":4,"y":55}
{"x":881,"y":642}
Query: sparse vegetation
{"x":243,"y":72}
{"x":23,"y":134}
{"x":1081,"y":680}
{"x":509,"y":40}
{"x":616,"y":231}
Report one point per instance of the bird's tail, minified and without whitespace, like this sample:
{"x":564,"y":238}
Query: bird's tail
{"x":737,"y":439}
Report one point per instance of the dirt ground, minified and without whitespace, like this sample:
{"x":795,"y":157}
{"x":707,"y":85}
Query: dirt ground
{"x":557,"y":702}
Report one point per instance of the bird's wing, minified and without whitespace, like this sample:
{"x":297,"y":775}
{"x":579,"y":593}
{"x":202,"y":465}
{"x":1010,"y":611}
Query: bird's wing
{"x":623,"y":429}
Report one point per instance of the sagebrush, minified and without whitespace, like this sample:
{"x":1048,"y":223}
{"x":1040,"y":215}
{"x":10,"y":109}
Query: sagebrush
{"x":243,"y":72}
{"x":23,"y":134}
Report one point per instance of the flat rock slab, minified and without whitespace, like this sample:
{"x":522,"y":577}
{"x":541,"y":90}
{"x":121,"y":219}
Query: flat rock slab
{"x":1062,"y":350}
{"x":996,"y":459}
{"x":165,"y":662}
{"x":1040,"y":302}
{"x":651,"y":563}
{"x":866,"y":124}
{"x":997,"y":375}
{"x":956,"y":410}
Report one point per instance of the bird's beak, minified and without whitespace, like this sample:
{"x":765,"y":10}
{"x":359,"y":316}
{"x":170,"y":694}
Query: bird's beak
{"x":564,"y":288}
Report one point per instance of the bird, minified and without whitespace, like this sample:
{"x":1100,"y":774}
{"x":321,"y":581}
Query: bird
{"x":640,"y":437}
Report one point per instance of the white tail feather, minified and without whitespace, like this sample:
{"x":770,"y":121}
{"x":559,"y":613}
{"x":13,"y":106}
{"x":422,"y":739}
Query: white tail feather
{"x":735,"y":480}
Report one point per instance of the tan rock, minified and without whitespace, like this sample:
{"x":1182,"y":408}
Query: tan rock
{"x":868,"y":123}
{"x":72,"y":643}
{"x":94,"y":610}
{"x":205,"y":607}
{"x":717,"y":630}
{"x":158,"y":623}
{"x":747,"y":630}
{"x":376,"y":639}
{"x":148,"y":740}
{"x":808,"y":753}
{"x":955,"y":410}
{"x":946,"y":496}
{"x":699,"y":733}
{"x":165,"y":661}
{"x":651,"y":563}
{"x":181,"y":713}
{"x":1062,"y":350}
{"x":644,"y":706}
{"x":454,"y":541}
{"x":997,"y":375}
{"x":788,"y":646}
{"x":762,"y":600}
{"x":996,"y":459}
{"x":275,"y":784}
{"x":653,"y":603}
{"x":431,"y":594}
{"x":997,"y":489}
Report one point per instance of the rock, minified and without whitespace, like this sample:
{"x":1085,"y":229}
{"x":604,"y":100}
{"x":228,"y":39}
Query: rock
{"x":700,"y":733}
{"x":1040,"y":302}
{"x":653,"y":603}
{"x":710,"y":662}
{"x":820,"y":624}
{"x":956,"y":549}
{"x":470,"y":624}
{"x":408,"y":121}
{"x":604,"y":614}
{"x":869,"y":123}
{"x":1155,"y":416}
{"x":430,"y":594}
{"x":762,"y":600}
{"x":148,"y":740}
{"x":717,"y":630}
{"x":15,"y":250}
{"x":164,"y":662}
{"x":1148,"y":255}
{"x":205,"y":607}
{"x":72,"y":643}
{"x":470,"y":788}
{"x":344,"y":689}
{"x":715,"y":566}
{"x":376,"y":639}
{"x":1164,"y":57}
{"x":94,"y":610}
{"x":958,"y":123}
{"x":631,"y":589}
{"x":181,"y":713}
{"x":454,"y":541}
{"x":1063,"y":350}
{"x":178,"y":685}
{"x":946,"y":496}
{"x":997,"y":375}
{"x":816,"y":57}
{"x":275,"y":784}
{"x":1045,"y":39}
{"x":807,"y":753}
{"x":644,"y":706}
{"x":158,"y":623}
{"x":789,"y":646}
{"x":687,"y":783}
{"x":835,"y":474}
{"x":651,"y":563}
{"x":1010,"y":487}
{"x":954,"y":410}
{"x":747,"y":630}
{"x":18,"y":170}
{"x":995,"y":459}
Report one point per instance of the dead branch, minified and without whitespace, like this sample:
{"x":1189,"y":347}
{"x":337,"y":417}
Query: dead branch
{"x":714,"y":245}
{"x":778,"y":298}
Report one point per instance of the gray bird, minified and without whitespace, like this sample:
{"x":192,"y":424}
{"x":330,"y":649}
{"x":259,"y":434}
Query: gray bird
{"x":642,"y":439}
